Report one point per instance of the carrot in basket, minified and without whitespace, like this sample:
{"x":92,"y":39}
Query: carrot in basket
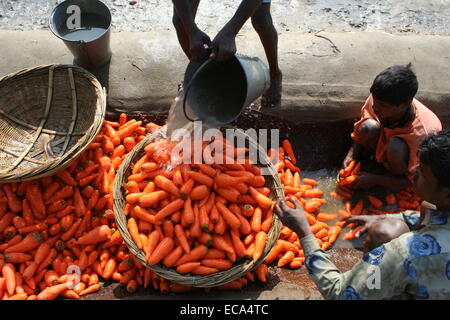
{"x":196,"y":254}
{"x":238,"y":245}
{"x":187,"y":267}
{"x":260,"y":242}
{"x":172,"y":207}
{"x":200,"y":192}
{"x":6,"y":220}
{"x":228,"y":216}
{"x":267,"y":222}
{"x":263,"y":201}
{"x":247,"y":210}
{"x":220,"y":243}
{"x":255,"y":222}
{"x":134,"y":231}
{"x":149,"y":199}
{"x":161,"y":251}
{"x":203,"y":270}
{"x":220,"y":226}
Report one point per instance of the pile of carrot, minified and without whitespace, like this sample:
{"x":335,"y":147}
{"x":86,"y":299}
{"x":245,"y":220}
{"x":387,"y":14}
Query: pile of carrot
{"x":327,"y":227}
{"x":198,"y":219}
{"x":51,"y":224}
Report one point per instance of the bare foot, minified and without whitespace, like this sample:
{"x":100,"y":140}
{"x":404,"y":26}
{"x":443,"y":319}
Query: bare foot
{"x":272,"y":97}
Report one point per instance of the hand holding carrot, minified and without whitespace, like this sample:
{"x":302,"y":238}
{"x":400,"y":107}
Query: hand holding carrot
{"x":294,"y":218}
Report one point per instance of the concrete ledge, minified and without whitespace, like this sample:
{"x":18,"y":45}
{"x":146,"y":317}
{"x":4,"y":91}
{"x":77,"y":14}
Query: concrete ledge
{"x":326,"y":75}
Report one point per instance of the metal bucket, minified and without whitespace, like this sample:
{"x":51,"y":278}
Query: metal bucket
{"x":85,"y":28}
{"x":217,"y":92}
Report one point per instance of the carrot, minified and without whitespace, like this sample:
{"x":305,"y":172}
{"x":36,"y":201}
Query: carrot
{"x":220,"y":243}
{"x":232,"y":285}
{"x":31,"y":241}
{"x":203,"y":270}
{"x":267,"y":223}
{"x":347,"y":180}
{"x":214,"y":253}
{"x":198,"y":253}
{"x":221,"y":264}
{"x":263,"y":201}
{"x":326,"y":216}
{"x":228,"y":216}
{"x":200,"y":192}
{"x":67,"y":178}
{"x":91,"y":289}
{"x":15,"y":205}
{"x":127,"y":130}
{"x":390,"y":199}
{"x":96,"y":235}
{"x":297,"y":262}
{"x":169,"y":209}
{"x":261,"y":272}
{"x":187,"y":267}
{"x":6,"y":221}
{"x":352,"y":233}
{"x":247,"y":210}
{"x":238,"y":245}
{"x":260,"y":242}
{"x":357,"y":209}
{"x":173,"y":257}
{"x":229,"y":193}
{"x":9,"y":273}
{"x":14,"y":257}
{"x":286,"y":259}
{"x":161,"y":251}
{"x":375,"y":201}
{"x":186,"y":188}
{"x":287,"y":147}
{"x":109,"y":268}
{"x":167,"y":185}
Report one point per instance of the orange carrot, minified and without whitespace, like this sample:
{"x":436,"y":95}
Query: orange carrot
{"x":51,"y":293}
{"x":167,"y":185}
{"x":375,"y":201}
{"x":161,"y":251}
{"x":263,"y":201}
{"x":9,"y":273}
{"x":286,"y":258}
{"x":96,"y":235}
{"x":187,"y":267}
{"x":260,"y":242}
{"x":228,"y":216}
{"x":203,"y":270}
{"x":169,"y":209}
{"x":256,"y":220}
{"x":196,"y":254}
{"x":200,"y":192}
{"x":31,"y":241}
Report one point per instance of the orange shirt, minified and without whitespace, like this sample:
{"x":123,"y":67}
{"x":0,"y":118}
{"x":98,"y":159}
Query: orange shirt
{"x":423,"y":123}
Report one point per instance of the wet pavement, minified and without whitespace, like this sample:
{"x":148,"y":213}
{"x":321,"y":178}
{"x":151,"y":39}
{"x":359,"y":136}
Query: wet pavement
{"x":283,"y":284}
{"x":408,"y":16}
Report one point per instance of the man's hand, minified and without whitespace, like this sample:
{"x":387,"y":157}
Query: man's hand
{"x":365,"y":220}
{"x":366,"y":180}
{"x":294,"y":219}
{"x":223,"y":46}
{"x":197,"y":40}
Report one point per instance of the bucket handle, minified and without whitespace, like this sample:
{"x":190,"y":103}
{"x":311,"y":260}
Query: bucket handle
{"x":188,"y":87}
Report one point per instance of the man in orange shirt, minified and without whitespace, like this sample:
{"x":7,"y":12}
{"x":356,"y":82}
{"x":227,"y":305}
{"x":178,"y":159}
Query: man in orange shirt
{"x":392,"y":125}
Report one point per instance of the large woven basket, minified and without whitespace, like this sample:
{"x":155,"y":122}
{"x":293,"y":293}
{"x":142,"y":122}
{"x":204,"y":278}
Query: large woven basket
{"x":48,"y":115}
{"x":238,"y":270}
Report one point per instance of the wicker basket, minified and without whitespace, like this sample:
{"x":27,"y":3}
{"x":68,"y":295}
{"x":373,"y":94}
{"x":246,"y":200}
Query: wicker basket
{"x":216,"y":279}
{"x":48,"y":115}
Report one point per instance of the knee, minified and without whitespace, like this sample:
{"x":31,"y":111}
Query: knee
{"x":369,"y":132}
{"x":261,"y":20}
{"x":385,"y":231}
{"x":176,"y":21}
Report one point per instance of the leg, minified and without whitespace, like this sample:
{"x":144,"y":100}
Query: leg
{"x":183,"y":37}
{"x":263,"y":25}
{"x":397,"y":155}
{"x":383,"y":231}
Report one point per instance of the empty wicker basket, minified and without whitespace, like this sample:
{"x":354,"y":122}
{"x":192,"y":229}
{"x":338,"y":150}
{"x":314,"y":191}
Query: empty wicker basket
{"x":239,"y":269}
{"x":48,"y":115}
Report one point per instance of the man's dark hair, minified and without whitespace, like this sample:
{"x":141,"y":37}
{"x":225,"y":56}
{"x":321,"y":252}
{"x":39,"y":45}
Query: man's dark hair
{"x":435,"y":152}
{"x":395,"y":85}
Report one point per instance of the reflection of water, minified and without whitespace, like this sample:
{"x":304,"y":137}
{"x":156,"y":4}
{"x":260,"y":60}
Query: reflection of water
{"x":84,"y":34}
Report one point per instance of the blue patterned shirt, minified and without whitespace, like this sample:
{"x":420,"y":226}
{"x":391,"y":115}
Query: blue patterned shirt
{"x":417,"y":265}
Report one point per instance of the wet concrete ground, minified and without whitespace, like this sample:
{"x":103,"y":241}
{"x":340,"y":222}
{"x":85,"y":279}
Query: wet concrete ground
{"x":416,"y":16}
{"x":283,"y":284}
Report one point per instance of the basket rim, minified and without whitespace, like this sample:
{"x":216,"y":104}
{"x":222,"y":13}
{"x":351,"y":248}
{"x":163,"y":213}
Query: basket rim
{"x":239,"y":268}
{"x":85,"y":139}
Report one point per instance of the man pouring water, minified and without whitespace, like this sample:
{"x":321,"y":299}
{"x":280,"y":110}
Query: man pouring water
{"x":195,"y":43}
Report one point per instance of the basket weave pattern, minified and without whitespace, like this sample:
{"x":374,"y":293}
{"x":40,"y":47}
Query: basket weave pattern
{"x":48,"y":115}
{"x":239,"y":269}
